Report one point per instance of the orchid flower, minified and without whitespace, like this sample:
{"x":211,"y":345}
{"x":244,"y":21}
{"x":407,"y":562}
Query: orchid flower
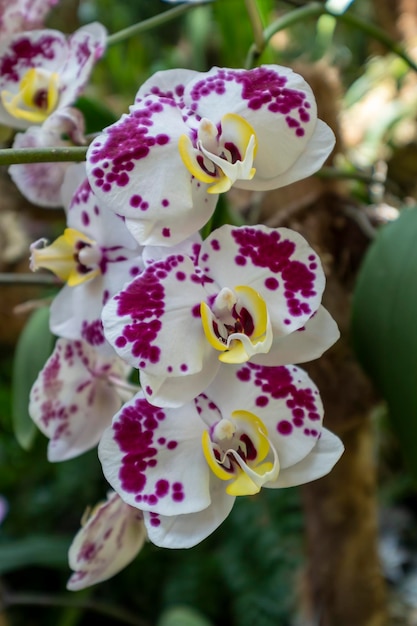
{"x":4,"y":508}
{"x":20,"y":15}
{"x":43,"y":70}
{"x":109,"y":539}
{"x":41,"y":183}
{"x":190,"y":136}
{"x":254,"y":427}
{"x":94,"y":256}
{"x":75,"y":397}
{"x":248,"y":293}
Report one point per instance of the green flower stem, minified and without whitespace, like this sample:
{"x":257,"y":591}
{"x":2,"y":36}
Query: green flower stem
{"x":315,"y":10}
{"x":378,"y":34}
{"x":152,"y":22}
{"x":289,"y":19}
{"x":8,"y":156}
{"x":29,"y":279}
{"x":257,"y":26}
{"x":119,"y":614}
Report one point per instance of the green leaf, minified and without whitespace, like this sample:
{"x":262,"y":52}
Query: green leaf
{"x":42,"y":550}
{"x":33,"y":349}
{"x":384,"y":324}
{"x":182,"y":616}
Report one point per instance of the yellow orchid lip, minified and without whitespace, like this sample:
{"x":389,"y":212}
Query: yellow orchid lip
{"x":237,"y":451}
{"x":238,"y":324}
{"x":73,"y":257}
{"x":220,"y":160}
{"x":37,"y":96}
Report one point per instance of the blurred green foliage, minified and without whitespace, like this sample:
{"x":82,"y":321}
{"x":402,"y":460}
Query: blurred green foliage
{"x":245,"y":574}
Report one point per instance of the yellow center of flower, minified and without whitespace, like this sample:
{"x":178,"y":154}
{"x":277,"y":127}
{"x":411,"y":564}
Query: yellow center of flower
{"x":238,"y":451}
{"x":37,"y":96}
{"x":237,"y":324}
{"x":220,"y":158}
{"x":73,"y":257}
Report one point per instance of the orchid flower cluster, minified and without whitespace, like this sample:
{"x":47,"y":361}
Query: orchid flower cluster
{"x":214,"y":327}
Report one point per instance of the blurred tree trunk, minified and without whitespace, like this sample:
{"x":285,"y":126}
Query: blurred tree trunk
{"x":344,"y":584}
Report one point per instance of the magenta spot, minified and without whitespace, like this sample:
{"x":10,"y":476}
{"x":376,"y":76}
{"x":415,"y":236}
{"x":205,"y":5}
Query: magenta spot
{"x":85,"y":218}
{"x":165,"y":202}
{"x":161,"y":140}
{"x":162,"y":487}
{"x":261,"y":401}
{"x":271,"y":283}
{"x":135,"y":201}
{"x":92,"y":332}
{"x":121,"y":342}
{"x":178,"y":496}
{"x":166,"y":232}
{"x":196,"y":310}
{"x":161,"y":441}
{"x":133,"y":432}
{"x":240,"y":260}
{"x":183,"y":367}
{"x":243,"y":374}
{"x":171,"y":445}
{"x":284,"y":427}
{"x":180,"y":276}
{"x":148,"y":390}
{"x":177,"y":486}
{"x":215,"y":244}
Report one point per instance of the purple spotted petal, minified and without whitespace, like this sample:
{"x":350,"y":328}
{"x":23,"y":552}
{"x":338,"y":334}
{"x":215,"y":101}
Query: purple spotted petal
{"x":162,"y":204}
{"x":154,"y":322}
{"x":305,"y":344}
{"x":186,"y":531}
{"x":173,"y":391}
{"x":20,"y":15}
{"x":76,"y":311}
{"x":153,"y":458}
{"x":85,"y":47}
{"x":277,"y":102}
{"x":284,"y":398}
{"x":319,"y":462}
{"x":40,"y":183}
{"x":46,"y":49}
{"x":109,"y":540}
{"x":277,"y":262}
{"x":189,"y":247}
{"x":49,"y":50}
{"x":72,"y":400}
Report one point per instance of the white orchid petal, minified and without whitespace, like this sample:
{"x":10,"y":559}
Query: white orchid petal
{"x":108,"y":542}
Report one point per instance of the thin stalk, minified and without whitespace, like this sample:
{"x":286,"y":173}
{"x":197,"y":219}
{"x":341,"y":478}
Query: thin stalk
{"x":257,"y":26}
{"x":29,"y":279}
{"x":8,"y":156}
{"x":119,"y":614}
{"x":152,"y":22}
{"x":293,"y":17}
{"x":378,"y":34}
{"x":315,"y":10}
